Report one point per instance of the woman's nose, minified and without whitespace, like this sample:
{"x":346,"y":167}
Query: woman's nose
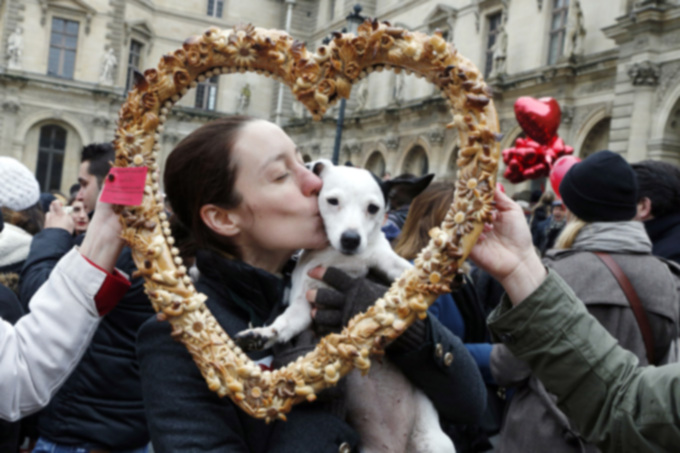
{"x":311,"y":183}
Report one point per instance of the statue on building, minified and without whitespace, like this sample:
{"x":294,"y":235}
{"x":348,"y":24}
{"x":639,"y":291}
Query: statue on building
{"x":109,"y":63}
{"x":243,"y":99}
{"x":499,"y":51}
{"x":15,"y":48}
{"x":576,"y":31}
{"x":398,"y":90}
{"x":362,"y":95}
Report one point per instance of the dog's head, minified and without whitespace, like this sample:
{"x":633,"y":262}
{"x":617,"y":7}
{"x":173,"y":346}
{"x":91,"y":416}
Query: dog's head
{"x":353,"y":203}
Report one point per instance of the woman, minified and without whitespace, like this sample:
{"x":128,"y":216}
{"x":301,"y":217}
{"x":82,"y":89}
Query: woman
{"x":601,"y":195}
{"x":80,"y":218}
{"x":241,"y":188}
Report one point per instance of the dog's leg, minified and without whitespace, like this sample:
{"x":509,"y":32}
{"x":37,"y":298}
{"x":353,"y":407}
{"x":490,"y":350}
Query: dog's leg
{"x":427,"y":435}
{"x":386,"y":261}
{"x":296,"y":318}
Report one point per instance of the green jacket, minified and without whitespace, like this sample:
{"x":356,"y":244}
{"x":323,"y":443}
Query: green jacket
{"x":614,"y":403}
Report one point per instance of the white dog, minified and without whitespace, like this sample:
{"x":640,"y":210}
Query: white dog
{"x":389,"y":413}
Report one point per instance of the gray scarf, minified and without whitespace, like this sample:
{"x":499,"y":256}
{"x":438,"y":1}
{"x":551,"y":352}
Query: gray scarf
{"x":614,"y":237}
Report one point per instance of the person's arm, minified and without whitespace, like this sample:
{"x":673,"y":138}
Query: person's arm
{"x":599,"y":385}
{"x":47,"y":248}
{"x":39,"y":352}
{"x":613,"y":402}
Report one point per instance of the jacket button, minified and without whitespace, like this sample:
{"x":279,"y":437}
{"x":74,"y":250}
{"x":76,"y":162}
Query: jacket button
{"x":448,"y":359}
{"x":345,"y":448}
{"x":439,"y":350}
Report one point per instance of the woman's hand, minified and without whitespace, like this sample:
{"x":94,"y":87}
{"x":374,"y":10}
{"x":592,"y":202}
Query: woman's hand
{"x":505,"y":251}
{"x":103,"y":244}
{"x":345,"y":296}
{"x":56,"y":217}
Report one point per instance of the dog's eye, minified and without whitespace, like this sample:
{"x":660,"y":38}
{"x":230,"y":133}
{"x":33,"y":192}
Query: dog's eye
{"x":332,"y":201}
{"x":373,"y":209}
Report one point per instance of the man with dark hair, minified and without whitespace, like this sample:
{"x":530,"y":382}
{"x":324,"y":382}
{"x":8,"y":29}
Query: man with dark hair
{"x":659,"y":206}
{"x":95,"y":164}
{"x":100,"y":406}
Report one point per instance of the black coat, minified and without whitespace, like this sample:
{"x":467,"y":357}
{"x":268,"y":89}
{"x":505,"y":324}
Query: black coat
{"x":185,"y":416}
{"x":665,"y":235}
{"x":100,"y":405}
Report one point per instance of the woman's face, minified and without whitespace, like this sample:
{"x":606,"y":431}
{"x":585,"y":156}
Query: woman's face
{"x":80,"y":217}
{"x":279,"y":212}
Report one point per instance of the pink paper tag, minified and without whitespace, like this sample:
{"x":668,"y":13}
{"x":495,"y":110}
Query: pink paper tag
{"x":125,"y":186}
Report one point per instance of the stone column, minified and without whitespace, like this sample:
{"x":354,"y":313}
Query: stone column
{"x":644,"y":78}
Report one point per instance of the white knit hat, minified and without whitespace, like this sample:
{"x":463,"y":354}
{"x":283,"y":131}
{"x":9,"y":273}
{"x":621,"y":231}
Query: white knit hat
{"x":19,"y":189}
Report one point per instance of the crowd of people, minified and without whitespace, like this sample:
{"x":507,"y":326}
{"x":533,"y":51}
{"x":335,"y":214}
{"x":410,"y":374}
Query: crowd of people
{"x":561,"y":334}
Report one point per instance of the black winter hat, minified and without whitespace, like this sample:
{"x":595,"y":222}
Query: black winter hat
{"x":602,"y":188}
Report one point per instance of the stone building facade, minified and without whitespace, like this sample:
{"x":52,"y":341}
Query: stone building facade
{"x":613,"y":65}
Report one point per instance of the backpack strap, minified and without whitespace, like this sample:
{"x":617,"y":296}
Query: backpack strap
{"x":634,"y":301}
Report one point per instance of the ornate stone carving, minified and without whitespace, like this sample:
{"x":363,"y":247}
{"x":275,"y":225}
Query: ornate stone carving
{"x":392,"y":143}
{"x":644,"y":74}
{"x":15,"y":48}
{"x":11,"y":106}
{"x":101,"y":121}
{"x":436,"y":137}
{"x":568,"y":114}
{"x":670,"y":77}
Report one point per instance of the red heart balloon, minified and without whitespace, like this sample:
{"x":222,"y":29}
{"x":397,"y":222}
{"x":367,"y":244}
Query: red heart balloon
{"x":559,"y":169}
{"x":539,"y":118}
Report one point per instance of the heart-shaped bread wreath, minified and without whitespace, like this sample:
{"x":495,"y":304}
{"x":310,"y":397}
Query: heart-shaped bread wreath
{"x":317,"y":80}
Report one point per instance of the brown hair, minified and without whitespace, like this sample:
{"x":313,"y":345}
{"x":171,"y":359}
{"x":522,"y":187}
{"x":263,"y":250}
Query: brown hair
{"x":201,"y":170}
{"x":31,"y":220}
{"x":426,"y":212}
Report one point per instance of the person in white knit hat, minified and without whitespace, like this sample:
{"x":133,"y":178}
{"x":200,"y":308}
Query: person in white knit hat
{"x":19,"y":189}
{"x":19,"y":195}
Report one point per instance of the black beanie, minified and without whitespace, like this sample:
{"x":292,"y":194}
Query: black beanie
{"x":602,"y":188}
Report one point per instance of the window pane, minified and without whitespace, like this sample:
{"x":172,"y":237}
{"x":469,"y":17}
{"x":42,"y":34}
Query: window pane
{"x":58,"y":25}
{"x":71,"y":42}
{"x":211,"y":7}
{"x":220,"y":6}
{"x":212,"y":98}
{"x":41,"y":170}
{"x":71,"y":27}
{"x":69,"y":63}
{"x":55,"y":171}
{"x":199,"y":96}
{"x":59,"y":138}
{"x":53,"y":62}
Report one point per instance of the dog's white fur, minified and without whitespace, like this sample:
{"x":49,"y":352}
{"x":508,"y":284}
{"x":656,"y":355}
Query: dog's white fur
{"x":390,"y":413}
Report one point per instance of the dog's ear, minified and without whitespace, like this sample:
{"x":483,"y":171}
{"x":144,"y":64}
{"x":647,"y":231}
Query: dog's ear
{"x":318,"y":166}
{"x":404,"y":189}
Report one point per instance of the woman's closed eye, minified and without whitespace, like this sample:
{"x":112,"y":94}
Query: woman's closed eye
{"x":282,"y":176}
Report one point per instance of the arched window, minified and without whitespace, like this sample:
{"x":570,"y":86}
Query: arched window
{"x":376,"y":164}
{"x":416,"y":161}
{"x":597,"y":139}
{"x":51,"y":149}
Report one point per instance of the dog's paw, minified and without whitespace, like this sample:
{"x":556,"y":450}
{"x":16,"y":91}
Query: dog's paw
{"x":256,"y":339}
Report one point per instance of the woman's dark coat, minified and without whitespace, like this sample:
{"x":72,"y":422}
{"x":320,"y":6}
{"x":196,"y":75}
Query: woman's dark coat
{"x":184,"y":416}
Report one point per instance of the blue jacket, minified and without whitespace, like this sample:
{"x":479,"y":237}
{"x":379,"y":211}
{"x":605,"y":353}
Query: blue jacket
{"x":100,"y":405}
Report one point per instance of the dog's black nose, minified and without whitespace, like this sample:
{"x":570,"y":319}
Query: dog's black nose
{"x":350,"y":240}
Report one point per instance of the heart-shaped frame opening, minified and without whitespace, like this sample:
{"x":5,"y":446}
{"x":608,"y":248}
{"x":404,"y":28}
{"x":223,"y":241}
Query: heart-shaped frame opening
{"x":317,"y":79}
